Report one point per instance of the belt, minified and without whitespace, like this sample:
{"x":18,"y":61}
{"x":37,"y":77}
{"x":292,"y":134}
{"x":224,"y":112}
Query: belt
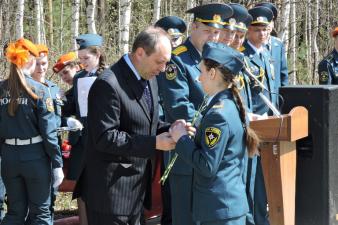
{"x":29,"y":141}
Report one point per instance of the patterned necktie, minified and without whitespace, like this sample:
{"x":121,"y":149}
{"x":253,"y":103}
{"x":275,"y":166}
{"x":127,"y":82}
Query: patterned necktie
{"x":146,"y":93}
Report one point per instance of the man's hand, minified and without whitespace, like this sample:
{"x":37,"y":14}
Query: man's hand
{"x":164,"y":142}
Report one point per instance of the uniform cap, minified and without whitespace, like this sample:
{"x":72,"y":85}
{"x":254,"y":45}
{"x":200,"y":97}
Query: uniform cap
{"x":224,"y":55}
{"x":42,"y":49}
{"x":28,"y":45}
{"x":240,"y":13}
{"x":261,"y":15}
{"x":173,"y":25}
{"x":63,"y":61}
{"x":88,"y":40}
{"x":212,"y":15}
{"x":270,"y":6}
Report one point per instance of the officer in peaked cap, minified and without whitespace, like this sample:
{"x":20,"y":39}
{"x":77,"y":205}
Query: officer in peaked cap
{"x":258,"y":63}
{"x":175,"y":27}
{"x":328,"y":67}
{"x":228,"y":33}
{"x":277,"y":50}
{"x":182,"y":94}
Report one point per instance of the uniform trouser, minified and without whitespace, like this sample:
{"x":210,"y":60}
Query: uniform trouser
{"x":233,"y":221}
{"x":28,"y":185}
{"x":260,"y":200}
{"x":181,"y":194}
{"x":2,"y":196}
{"x":250,"y":188}
{"x":166,"y":200}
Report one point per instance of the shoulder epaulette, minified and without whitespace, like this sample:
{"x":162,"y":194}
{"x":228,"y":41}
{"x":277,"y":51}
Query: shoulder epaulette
{"x":180,"y":49}
{"x":241,"y":49}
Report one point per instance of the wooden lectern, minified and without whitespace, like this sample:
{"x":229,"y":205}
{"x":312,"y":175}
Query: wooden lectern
{"x":278,"y":156}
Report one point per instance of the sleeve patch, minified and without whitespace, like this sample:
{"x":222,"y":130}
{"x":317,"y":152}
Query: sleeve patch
{"x":171,"y":72}
{"x":324,"y":76}
{"x":212,"y":136}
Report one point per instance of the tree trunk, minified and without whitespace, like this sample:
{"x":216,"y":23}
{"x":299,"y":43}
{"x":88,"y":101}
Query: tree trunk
{"x":19,"y":19}
{"x":189,"y":17}
{"x":38,"y":28}
{"x":75,"y":21}
{"x":61,"y":26}
{"x":42,"y":23}
{"x":101,"y":15}
{"x":284,"y":29}
{"x":315,"y":51}
{"x":125,"y":10}
{"x":91,"y":16}
{"x":293,"y":39}
{"x":49,"y":19}
{"x":157,"y":10}
{"x":308,"y":33}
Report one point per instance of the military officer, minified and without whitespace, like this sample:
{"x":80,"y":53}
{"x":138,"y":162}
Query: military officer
{"x":175,"y":27}
{"x":257,"y":62}
{"x":182,"y":94}
{"x":218,"y":152}
{"x":30,"y":151}
{"x":328,"y":67}
{"x":278,"y":61}
{"x":228,"y":32}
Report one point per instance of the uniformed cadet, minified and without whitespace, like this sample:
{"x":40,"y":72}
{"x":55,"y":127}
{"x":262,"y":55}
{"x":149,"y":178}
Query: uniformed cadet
{"x":182,"y":94}
{"x":175,"y":27}
{"x":278,"y":61}
{"x":66,"y":67}
{"x":217,"y":154}
{"x":228,"y":32}
{"x":257,"y":62}
{"x":328,"y":67}
{"x":30,"y":151}
{"x":92,"y":59}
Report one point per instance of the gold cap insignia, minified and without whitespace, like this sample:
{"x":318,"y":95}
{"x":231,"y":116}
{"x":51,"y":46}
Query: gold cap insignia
{"x":217,"y":18}
{"x":232,"y":21}
{"x":261,"y":19}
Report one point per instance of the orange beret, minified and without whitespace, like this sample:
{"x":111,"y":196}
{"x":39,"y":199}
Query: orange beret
{"x":335,"y":32}
{"x":28,"y":45}
{"x":64,"y":60}
{"x":42,"y":49}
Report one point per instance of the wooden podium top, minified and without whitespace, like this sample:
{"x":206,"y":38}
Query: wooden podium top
{"x":288,"y":127}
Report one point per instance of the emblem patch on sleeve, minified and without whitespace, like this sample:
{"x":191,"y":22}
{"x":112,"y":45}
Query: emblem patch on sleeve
{"x":324,"y":76}
{"x":49,"y":105}
{"x":212,"y":136}
{"x":171,"y":72}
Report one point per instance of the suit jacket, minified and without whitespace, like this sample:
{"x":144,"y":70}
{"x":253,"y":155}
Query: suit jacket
{"x":121,"y":142}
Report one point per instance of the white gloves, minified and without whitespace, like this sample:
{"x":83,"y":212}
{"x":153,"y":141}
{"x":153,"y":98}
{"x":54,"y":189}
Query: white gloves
{"x":57,"y":177}
{"x":74,"y":124}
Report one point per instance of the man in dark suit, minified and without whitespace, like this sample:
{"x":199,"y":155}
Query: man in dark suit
{"x":123,"y":133}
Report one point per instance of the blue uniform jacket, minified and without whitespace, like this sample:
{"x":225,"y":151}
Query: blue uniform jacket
{"x":328,"y":69}
{"x":218,"y":158}
{"x":31,"y":119}
{"x":279,"y":63}
{"x":54,"y":92}
{"x":181,"y":92}
{"x":256,"y":66}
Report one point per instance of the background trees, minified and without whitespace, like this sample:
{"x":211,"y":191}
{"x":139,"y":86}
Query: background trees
{"x":303,"y":25}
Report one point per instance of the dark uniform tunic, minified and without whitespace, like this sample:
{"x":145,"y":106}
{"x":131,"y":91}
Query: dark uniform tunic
{"x":217,"y":156}
{"x":29,"y":152}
